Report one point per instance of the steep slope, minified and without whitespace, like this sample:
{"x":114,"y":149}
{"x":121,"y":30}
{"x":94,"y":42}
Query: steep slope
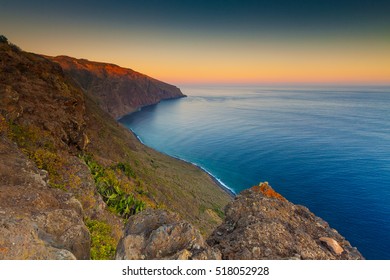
{"x":119,"y":91}
{"x":85,"y":153}
{"x":70,"y":176}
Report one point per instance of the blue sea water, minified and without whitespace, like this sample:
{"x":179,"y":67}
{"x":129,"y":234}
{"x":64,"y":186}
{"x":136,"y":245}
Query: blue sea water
{"x":325,"y":148}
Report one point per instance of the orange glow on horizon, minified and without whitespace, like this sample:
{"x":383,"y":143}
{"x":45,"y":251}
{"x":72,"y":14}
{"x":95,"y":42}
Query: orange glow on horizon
{"x":226,"y":60}
{"x":366,"y":64}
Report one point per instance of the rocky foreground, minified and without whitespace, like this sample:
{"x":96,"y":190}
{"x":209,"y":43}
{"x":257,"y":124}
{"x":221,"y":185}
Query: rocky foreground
{"x":259,"y":224}
{"x":37,"y":221}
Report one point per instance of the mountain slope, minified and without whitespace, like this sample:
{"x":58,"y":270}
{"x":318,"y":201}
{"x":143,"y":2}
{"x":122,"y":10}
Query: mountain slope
{"x":119,"y":91}
{"x":63,"y":132}
{"x":70,"y":176}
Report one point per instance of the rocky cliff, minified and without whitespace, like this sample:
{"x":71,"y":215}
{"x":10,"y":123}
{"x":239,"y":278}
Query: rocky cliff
{"x":37,"y":221}
{"x":259,"y":224}
{"x":66,"y":149}
{"x":119,"y":91}
{"x":70,"y":176}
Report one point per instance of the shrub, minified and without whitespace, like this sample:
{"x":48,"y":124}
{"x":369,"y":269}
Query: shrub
{"x":111,"y":189}
{"x":103,"y":245}
{"x":126,"y":169}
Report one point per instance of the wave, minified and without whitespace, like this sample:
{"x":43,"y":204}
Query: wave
{"x":136,"y":135}
{"x":215,"y":178}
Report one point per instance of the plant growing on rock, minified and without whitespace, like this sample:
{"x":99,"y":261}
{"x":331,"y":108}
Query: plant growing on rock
{"x":103,"y":245}
{"x":111,"y":189}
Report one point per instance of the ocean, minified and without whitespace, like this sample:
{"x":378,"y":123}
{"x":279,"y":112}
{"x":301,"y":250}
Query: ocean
{"x":327,"y":148}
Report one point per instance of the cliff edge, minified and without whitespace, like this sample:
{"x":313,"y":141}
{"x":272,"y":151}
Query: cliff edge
{"x":119,"y":91}
{"x":262,"y":224}
{"x":259,"y":224}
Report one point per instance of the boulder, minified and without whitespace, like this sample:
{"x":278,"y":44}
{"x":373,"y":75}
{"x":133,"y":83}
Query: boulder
{"x":158,"y":234}
{"x":37,"y":221}
{"x":261,"y":224}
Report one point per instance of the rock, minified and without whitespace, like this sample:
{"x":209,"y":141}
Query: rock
{"x":261,"y":224}
{"x":37,"y":221}
{"x":333,"y":245}
{"x":158,"y":234}
{"x":21,"y":240}
{"x":119,"y":91}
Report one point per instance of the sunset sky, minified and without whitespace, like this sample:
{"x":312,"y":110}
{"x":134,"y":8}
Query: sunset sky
{"x":278,"y":41}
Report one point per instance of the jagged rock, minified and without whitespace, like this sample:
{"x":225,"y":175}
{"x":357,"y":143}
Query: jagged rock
{"x":36,"y":221}
{"x":261,"y":224}
{"x":158,"y":234}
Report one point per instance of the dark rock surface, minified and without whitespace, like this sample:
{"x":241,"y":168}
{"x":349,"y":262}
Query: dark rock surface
{"x":119,"y":91}
{"x":261,"y":224}
{"x":158,"y":234}
{"x":36,"y":221}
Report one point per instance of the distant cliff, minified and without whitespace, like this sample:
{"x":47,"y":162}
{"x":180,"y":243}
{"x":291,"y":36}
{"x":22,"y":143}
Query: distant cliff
{"x":119,"y":91}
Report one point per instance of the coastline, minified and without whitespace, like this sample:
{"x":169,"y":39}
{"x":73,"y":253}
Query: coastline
{"x":218,"y":181}
{"x":215,"y":179}
{"x":145,"y":106}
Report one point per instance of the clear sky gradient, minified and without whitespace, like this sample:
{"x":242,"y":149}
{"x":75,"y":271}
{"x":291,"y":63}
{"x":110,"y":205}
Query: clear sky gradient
{"x":278,"y":41}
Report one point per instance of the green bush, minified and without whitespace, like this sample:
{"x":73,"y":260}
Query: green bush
{"x":111,"y":189}
{"x":126,"y":169}
{"x":103,"y":245}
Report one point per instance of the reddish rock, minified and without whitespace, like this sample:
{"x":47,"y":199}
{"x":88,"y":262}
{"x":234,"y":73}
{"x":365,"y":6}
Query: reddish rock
{"x":119,"y":91}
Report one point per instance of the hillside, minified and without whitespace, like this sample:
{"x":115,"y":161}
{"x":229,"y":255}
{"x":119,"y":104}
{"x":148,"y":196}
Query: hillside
{"x":59,"y":129}
{"x":118,"y":91}
{"x":75,"y":184}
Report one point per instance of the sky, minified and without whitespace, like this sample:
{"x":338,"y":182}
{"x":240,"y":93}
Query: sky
{"x":181,"y":42}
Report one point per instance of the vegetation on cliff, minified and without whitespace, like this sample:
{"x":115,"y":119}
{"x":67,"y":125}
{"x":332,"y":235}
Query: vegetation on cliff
{"x":71,"y":176}
{"x":112,"y":189}
{"x":53,"y":121}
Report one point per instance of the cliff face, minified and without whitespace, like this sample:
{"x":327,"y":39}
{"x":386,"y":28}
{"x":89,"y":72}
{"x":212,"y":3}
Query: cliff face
{"x":70,"y":176}
{"x":67,"y":150}
{"x":119,"y":91}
